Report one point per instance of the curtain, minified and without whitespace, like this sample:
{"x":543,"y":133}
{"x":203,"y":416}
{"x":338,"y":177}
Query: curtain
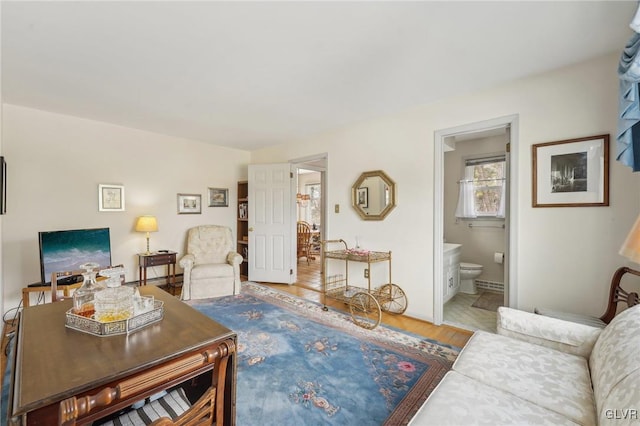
{"x":501,"y":207}
{"x":628,"y":135}
{"x":466,"y":203}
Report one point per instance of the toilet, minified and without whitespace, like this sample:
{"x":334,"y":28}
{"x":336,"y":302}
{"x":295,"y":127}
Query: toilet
{"x":468,"y":274}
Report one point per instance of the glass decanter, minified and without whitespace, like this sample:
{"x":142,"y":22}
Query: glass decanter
{"x":114,"y":303}
{"x":83,"y":297}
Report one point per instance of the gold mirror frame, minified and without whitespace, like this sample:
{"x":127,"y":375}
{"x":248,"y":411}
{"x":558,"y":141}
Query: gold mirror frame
{"x":361,"y":196}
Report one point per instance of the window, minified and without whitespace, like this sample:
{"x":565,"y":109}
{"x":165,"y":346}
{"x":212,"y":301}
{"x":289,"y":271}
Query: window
{"x":486,"y":178}
{"x":313,"y":210}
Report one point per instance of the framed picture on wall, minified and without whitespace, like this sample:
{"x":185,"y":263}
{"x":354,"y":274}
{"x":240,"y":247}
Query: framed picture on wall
{"x":363,"y":197}
{"x":218,"y":197}
{"x":571,"y":173}
{"x":189,"y":204}
{"x":110,"y":198}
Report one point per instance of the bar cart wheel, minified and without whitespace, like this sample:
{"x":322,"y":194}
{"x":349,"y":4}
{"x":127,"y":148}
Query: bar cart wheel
{"x":392,"y":299}
{"x":365,"y":310}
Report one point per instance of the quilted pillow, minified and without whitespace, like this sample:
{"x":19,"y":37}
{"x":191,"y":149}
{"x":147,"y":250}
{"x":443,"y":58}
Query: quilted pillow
{"x":614,"y":358}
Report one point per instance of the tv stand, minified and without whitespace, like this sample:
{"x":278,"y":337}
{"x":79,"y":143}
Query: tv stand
{"x":44,"y":287}
{"x":66,"y":280}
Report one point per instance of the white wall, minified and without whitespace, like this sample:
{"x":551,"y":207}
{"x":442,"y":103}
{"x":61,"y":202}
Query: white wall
{"x":56,"y":163}
{"x":566,"y":256}
{"x":479,"y":243}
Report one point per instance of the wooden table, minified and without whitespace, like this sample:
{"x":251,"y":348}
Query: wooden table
{"x":54,"y":363}
{"x":158,"y":259}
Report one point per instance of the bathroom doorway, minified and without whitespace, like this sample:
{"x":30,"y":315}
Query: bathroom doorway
{"x":473,"y":213}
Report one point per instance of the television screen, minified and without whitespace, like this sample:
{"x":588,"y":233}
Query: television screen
{"x":67,"y":250}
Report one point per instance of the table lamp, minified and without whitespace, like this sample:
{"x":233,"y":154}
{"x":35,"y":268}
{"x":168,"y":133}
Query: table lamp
{"x":147,"y":224}
{"x":631,"y":247}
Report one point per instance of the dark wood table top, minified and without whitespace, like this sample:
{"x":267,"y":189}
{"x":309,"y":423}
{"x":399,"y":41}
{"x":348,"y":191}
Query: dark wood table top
{"x":55,"y":362}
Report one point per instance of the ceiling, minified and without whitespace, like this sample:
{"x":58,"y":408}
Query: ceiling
{"x":253,"y":74}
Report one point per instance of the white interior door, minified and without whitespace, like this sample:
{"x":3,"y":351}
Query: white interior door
{"x":270,"y":223}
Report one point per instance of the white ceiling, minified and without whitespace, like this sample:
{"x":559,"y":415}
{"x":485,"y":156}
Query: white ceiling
{"x":253,"y":74}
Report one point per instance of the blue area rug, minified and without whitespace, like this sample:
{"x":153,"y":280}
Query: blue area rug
{"x":6,"y":378}
{"x":300,"y":365}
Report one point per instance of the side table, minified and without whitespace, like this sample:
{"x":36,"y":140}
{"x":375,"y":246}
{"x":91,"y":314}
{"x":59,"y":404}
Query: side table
{"x":168,"y":258}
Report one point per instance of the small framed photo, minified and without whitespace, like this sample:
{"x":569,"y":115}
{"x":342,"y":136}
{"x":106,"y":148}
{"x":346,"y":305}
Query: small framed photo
{"x":242,"y":210}
{"x":218,"y":197}
{"x":363,"y":197}
{"x":189,"y":204}
{"x":110,"y":198}
{"x":571,"y":173}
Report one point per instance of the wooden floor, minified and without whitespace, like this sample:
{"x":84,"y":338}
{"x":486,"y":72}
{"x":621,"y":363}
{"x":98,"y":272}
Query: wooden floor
{"x":309,"y":287}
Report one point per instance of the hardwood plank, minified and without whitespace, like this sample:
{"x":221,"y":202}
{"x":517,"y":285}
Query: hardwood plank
{"x":309,"y":286}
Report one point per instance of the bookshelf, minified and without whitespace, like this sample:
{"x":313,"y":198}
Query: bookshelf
{"x":242,"y":213}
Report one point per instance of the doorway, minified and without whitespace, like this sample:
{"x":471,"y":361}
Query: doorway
{"x":310,"y":184}
{"x":473,"y":231}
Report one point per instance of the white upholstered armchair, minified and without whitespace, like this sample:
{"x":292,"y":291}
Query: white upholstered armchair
{"x":211,"y":265}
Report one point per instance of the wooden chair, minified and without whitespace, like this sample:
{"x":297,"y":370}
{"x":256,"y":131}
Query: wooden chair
{"x":617,"y":295}
{"x":304,"y":241}
{"x":200,"y":413}
{"x":207,"y":410}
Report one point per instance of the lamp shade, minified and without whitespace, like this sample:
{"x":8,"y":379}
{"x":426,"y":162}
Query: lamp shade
{"x":147,"y":224}
{"x":631,"y":247}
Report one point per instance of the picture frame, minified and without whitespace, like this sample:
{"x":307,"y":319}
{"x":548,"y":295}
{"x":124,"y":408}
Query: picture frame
{"x":189,"y":204}
{"x":111,"y":198}
{"x":218,"y":197}
{"x":363,"y":197}
{"x":571,"y":173}
{"x":242,"y":210}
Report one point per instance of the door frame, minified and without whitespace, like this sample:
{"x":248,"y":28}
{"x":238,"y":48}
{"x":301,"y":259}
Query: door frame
{"x":511,"y":258}
{"x":319,"y":163}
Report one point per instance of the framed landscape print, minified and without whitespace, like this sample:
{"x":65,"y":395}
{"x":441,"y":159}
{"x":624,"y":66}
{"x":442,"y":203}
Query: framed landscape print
{"x":218,"y":197}
{"x":571,"y":173}
{"x":110,"y":198}
{"x":189,"y":204}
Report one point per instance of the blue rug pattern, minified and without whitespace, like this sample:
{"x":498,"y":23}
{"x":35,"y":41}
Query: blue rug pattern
{"x":6,"y":378}
{"x":300,"y":365}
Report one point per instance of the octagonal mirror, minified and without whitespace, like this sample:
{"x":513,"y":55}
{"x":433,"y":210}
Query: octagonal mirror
{"x":373,"y":195}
